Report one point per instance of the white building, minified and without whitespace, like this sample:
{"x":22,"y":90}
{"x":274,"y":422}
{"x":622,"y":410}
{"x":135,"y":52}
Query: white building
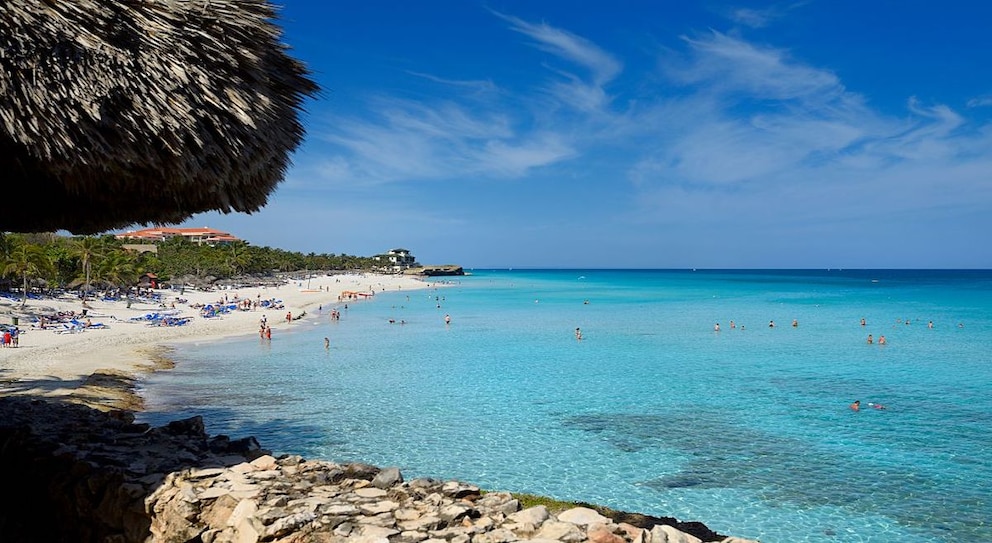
{"x":397,"y":259}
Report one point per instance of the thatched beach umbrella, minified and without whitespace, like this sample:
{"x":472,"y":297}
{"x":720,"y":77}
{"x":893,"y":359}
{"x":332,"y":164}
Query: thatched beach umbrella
{"x":126,"y":111}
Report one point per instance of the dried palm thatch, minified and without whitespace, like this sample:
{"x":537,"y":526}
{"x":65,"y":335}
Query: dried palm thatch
{"x":126,"y":111}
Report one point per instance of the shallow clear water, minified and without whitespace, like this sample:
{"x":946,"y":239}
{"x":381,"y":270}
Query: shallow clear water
{"x":746,"y":430}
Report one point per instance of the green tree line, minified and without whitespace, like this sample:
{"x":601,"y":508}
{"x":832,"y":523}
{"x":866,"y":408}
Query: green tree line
{"x":81,"y":261}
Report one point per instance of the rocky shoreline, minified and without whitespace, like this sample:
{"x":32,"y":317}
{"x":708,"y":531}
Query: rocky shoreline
{"x":74,"y":473}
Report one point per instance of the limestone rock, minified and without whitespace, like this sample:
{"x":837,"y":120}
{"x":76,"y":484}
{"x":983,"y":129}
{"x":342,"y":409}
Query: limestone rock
{"x":582,"y":516}
{"x":533,"y":515}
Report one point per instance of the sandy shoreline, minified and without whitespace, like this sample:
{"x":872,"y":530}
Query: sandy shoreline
{"x":97,"y":366}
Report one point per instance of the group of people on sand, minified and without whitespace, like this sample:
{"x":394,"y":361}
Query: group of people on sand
{"x":11,"y":337}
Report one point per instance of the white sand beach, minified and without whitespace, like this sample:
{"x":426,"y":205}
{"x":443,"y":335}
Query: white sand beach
{"x":61,"y":361}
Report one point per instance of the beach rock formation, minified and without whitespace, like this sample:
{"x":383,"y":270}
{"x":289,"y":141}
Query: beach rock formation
{"x":73,"y":473}
{"x":436,"y":271}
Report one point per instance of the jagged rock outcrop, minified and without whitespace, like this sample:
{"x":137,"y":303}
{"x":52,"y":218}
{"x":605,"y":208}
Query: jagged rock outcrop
{"x":75,"y":474}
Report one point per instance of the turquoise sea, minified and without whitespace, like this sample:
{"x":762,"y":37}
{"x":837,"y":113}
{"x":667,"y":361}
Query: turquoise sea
{"x":747,"y":429}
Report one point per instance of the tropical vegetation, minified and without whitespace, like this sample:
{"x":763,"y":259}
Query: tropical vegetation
{"x":49,"y":261}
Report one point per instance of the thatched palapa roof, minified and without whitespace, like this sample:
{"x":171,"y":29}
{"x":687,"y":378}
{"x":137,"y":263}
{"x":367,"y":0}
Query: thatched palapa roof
{"x":126,"y":111}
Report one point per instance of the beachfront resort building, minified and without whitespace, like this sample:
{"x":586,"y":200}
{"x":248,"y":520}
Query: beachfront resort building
{"x":397,"y":260}
{"x":199,"y":236}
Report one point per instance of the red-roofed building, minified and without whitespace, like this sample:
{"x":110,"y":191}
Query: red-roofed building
{"x":199,"y":236}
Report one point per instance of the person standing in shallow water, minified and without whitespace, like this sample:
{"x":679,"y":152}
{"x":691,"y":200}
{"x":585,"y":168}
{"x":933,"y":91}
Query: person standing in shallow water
{"x":578,"y":334}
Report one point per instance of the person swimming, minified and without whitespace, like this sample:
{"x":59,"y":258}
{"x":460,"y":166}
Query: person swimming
{"x":856,"y":406}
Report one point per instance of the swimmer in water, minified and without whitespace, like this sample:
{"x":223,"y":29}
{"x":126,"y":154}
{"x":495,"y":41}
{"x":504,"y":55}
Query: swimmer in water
{"x":856,"y":406}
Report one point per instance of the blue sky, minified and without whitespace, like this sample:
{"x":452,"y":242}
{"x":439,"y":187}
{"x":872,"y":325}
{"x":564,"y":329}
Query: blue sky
{"x":644,"y":134}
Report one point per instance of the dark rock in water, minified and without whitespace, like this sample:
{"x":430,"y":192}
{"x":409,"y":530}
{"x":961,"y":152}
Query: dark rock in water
{"x":387,"y":477}
{"x":192,"y":426}
{"x":361,"y":471}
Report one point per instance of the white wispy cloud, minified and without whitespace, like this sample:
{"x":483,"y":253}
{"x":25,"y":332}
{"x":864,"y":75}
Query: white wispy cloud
{"x":726,"y":64}
{"x":773,"y":140}
{"x":482,"y":86}
{"x":754,"y":18}
{"x":409,"y":141}
{"x":980,"y":101}
{"x":561,"y":43}
{"x":581,"y":93}
{"x":760,"y":18}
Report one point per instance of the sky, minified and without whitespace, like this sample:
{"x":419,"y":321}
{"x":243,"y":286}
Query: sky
{"x":640,"y":134}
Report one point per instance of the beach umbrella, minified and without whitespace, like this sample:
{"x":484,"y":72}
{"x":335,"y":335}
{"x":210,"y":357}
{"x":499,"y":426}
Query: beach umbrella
{"x":142,"y":111}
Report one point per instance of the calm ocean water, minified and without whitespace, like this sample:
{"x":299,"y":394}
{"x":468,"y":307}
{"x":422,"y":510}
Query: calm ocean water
{"x":747,"y":430}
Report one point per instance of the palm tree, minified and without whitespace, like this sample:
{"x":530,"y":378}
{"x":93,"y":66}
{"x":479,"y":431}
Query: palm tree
{"x":118,"y":268}
{"x":238,"y":259}
{"x":88,"y":249}
{"x":28,"y":261}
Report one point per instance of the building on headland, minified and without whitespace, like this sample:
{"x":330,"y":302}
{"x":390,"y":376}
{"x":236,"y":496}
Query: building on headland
{"x":199,"y":236}
{"x":396,"y":260}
